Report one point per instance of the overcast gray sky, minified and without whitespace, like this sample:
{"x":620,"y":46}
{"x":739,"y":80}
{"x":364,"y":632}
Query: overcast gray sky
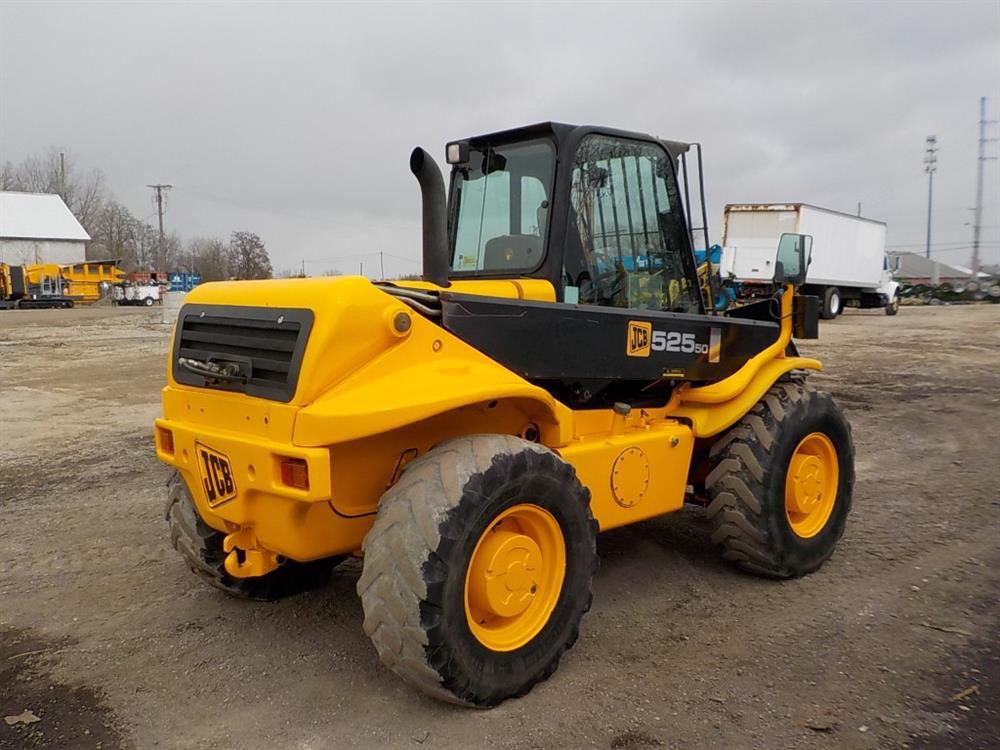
{"x":295,"y":121}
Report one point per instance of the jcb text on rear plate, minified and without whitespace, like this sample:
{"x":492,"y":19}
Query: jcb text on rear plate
{"x":217,"y":476}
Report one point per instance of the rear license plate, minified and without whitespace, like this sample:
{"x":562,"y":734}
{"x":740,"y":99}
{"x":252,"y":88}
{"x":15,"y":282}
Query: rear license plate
{"x":217,"y":476}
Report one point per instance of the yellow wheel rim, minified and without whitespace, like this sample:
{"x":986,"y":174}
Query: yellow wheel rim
{"x":515,"y":577}
{"x":811,"y":485}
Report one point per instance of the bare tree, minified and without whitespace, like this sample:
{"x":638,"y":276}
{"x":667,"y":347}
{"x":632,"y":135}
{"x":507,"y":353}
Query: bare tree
{"x":113,"y":235}
{"x":210,"y":258}
{"x":248,"y":258}
{"x":8,"y":176}
{"x":146,"y":240}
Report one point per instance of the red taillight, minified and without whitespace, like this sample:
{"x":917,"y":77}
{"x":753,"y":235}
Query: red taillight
{"x":166,"y":438}
{"x":295,"y":473}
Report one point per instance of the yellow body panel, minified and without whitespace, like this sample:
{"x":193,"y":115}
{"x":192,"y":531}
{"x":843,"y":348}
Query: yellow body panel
{"x":370,"y":399}
{"x":634,"y":475}
{"x":538,"y":290}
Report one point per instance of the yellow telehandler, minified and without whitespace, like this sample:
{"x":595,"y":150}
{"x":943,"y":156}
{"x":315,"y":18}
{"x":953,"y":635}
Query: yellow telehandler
{"x":557,"y":372}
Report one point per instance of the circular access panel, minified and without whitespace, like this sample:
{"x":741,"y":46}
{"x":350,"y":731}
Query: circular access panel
{"x":630,"y":477}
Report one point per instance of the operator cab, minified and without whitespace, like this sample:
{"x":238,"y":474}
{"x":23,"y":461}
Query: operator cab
{"x":597,"y":212}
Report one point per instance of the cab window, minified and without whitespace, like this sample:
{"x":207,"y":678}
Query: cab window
{"x":626,"y":245}
{"x":500,"y":204}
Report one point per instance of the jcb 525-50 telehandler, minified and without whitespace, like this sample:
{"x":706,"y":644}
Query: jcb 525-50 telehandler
{"x":553,"y":375}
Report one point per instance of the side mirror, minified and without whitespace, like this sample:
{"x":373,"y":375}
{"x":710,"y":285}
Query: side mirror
{"x":794,"y":255}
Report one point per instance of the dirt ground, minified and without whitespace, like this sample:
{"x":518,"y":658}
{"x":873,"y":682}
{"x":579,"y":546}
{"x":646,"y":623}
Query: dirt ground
{"x":110,"y":642}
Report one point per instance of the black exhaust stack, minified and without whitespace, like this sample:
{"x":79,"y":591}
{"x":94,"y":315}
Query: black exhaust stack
{"x":435,"y":217}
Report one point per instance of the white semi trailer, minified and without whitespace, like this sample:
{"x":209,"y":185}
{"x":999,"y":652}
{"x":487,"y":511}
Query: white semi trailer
{"x":849,"y":266}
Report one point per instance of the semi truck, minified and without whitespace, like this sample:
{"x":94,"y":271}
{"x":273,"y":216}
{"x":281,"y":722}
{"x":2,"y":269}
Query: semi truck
{"x":849,"y":265}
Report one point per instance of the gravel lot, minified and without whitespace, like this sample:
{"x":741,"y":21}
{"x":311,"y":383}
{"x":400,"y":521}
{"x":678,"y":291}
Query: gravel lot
{"x":109,"y":641}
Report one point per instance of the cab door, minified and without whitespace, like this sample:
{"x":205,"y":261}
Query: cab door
{"x":626,"y":239}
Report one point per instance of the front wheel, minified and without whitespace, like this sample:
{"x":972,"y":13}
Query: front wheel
{"x":831,"y":303}
{"x":893,"y":307}
{"x":782,"y":483}
{"x":478,"y":568}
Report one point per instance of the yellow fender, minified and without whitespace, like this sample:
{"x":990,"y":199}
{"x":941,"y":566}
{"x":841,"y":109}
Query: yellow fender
{"x":430,"y":373}
{"x":716,"y":407}
{"x":711,"y":418}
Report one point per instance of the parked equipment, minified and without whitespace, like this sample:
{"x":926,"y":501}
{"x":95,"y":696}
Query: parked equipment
{"x":849,"y":264}
{"x":554,"y":374}
{"x":34,"y":286}
{"x":131,"y":293}
{"x":91,"y":280}
{"x":41,"y":285}
{"x":713,"y":286}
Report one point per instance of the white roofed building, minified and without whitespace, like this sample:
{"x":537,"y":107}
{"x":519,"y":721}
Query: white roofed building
{"x":39,"y":228}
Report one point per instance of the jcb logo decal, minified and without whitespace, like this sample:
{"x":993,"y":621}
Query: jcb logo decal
{"x":640,"y":337}
{"x":643,"y":340}
{"x":216,"y":475}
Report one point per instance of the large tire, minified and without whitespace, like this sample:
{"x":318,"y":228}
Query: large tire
{"x":201,"y":547}
{"x":747,"y":486}
{"x":893,"y":307}
{"x":833,"y":304}
{"x":416,"y":580}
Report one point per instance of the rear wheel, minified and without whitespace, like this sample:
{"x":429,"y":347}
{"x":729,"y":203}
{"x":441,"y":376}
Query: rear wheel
{"x":782,"y":483}
{"x":832,"y":303}
{"x":477,"y":570}
{"x":201,"y":547}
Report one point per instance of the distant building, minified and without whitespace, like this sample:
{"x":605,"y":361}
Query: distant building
{"x":993,"y":270}
{"x":917,"y":269}
{"x":39,"y":228}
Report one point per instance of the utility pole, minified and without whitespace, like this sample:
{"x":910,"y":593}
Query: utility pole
{"x":303,"y":268}
{"x":983,"y":122}
{"x":930,"y":167}
{"x":859,"y":209}
{"x":381,"y":265}
{"x":160,"y":190}
{"x":62,"y":175}
{"x":361,"y":268}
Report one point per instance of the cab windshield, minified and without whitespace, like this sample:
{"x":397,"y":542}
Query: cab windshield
{"x":500,"y":203}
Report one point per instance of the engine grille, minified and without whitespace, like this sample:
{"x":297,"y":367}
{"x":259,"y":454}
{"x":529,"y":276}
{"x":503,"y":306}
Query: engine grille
{"x":263,"y":346}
